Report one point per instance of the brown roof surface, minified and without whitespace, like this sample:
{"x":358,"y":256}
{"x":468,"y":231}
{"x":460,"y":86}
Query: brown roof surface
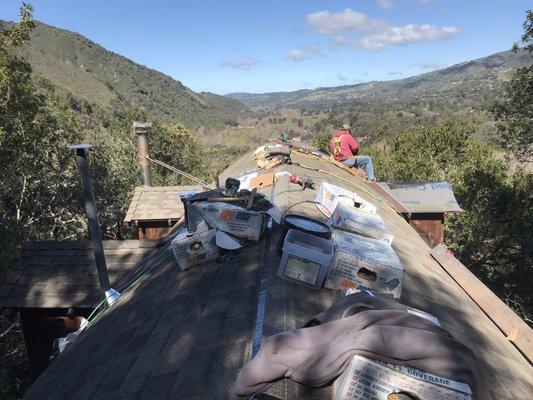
{"x":55,"y":274}
{"x":157,"y":203}
{"x":186,"y":334}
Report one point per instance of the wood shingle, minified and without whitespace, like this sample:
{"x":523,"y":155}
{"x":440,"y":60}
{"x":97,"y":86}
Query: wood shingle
{"x":157,"y":203}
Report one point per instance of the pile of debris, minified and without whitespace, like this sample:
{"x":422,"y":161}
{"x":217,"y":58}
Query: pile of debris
{"x":220,"y":223}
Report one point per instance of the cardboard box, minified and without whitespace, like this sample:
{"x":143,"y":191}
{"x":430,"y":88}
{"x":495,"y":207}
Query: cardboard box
{"x":235,"y":220}
{"x":193,"y":249}
{"x":354,"y":220}
{"x":328,"y":196}
{"x":368,"y":379}
{"x":362,"y":262}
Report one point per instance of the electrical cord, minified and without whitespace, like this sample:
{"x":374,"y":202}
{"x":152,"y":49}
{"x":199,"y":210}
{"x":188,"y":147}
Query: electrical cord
{"x":149,"y":267}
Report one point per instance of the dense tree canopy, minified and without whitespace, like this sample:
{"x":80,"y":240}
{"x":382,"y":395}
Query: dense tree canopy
{"x":514,"y":112}
{"x":493,"y":233}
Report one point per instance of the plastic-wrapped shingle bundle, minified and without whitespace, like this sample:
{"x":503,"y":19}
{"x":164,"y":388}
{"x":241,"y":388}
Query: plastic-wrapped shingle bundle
{"x":362,"y":262}
{"x":191,"y":249}
{"x":235,"y":220}
{"x":369,"y":379}
{"x":353,"y":220}
{"x":328,"y":196}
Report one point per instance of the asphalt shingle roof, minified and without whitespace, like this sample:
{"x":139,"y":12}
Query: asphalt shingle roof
{"x":62,"y":274}
{"x":185,"y":334}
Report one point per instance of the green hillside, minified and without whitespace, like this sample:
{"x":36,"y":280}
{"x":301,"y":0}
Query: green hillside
{"x":470,"y":83}
{"x":88,"y":71}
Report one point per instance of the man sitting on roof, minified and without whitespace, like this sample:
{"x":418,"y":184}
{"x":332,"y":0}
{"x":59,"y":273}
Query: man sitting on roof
{"x":345,"y":149}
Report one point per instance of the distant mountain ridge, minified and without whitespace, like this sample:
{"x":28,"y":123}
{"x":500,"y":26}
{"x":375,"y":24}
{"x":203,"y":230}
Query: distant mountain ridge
{"x":473,"y":80}
{"x":89,"y":71}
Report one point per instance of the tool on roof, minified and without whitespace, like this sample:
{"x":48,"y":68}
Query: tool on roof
{"x":305,"y":183}
{"x":231,"y":187}
{"x":303,"y":224}
{"x":251,"y":199}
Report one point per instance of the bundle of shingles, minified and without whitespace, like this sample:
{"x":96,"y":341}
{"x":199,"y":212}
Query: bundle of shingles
{"x":219,"y":222}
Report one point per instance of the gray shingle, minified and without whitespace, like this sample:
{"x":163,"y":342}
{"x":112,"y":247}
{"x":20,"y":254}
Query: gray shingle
{"x":55,"y":274}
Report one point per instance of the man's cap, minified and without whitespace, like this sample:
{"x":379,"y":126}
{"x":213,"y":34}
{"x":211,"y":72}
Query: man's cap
{"x":346,"y":127}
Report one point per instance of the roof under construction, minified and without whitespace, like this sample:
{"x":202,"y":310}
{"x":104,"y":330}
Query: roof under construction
{"x":183,"y":334}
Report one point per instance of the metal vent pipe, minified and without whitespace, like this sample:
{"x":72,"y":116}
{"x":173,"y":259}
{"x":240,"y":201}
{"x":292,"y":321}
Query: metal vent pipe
{"x":143,"y":130}
{"x":92,"y":218}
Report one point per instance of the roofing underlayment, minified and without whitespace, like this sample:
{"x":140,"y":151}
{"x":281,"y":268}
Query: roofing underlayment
{"x":186,"y":334}
{"x":423,"y":197}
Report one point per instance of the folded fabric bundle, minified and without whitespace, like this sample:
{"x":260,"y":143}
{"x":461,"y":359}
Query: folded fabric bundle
{"x":315,"y":355}
{"x":352,"y":304}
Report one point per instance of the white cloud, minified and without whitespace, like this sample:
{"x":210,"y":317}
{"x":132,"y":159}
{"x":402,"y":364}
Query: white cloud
{"x":404,"y":35}
{"x":385,"y":4}
{"x":395,"y":73}
{"x":357,"y":30}
{"x":327,"y":23}
{"x":245,"y":63}
{"x":428,"y":65}
{"x":302,"y":53}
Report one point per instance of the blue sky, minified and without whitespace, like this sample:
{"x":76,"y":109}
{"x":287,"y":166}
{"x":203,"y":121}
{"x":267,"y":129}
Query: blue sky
{"x":270,"y":45}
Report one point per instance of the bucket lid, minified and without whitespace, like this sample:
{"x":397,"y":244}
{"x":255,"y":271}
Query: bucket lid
{"x":307,"y":225}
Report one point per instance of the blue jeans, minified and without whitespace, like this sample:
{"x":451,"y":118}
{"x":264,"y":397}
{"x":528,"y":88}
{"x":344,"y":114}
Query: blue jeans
{"x":362,"y":161}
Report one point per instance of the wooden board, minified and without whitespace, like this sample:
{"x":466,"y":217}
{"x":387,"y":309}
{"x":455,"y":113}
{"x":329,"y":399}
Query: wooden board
{"x":399,"y":207}
{"x":430,"y":227}
{"x":505,"y":319}
{"x":262,"y":180}
{"x":353,"y":171}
